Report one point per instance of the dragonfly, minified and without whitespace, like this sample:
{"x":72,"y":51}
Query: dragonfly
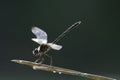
{"x":44,"y":46}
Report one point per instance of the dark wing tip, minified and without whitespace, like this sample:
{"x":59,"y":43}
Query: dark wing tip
{"x":34,"y":27}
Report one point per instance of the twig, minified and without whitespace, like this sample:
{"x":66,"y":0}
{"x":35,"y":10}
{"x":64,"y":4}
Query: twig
{"x":54,"y":69}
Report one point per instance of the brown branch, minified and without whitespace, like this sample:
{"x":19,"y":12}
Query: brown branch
{"x":54,"y":69}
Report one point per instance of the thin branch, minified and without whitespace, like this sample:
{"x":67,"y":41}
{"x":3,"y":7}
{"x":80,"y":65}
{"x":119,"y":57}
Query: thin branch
{"x":54,"y":69}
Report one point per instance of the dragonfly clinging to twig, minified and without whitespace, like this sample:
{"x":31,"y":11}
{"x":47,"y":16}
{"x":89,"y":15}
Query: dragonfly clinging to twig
{"x":41,"y":39}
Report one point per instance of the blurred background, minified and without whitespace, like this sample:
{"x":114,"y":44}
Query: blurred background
{"x":93,"y":47}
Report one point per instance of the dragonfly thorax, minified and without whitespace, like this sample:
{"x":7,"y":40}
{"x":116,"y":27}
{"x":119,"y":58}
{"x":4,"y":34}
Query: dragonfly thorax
{"x":44,"y":48}
{"x":40,"y":50}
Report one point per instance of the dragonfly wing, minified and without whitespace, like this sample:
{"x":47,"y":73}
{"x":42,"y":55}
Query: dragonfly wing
{"x":55,"y":46}
{"x":40,"y":34}
{"x":39,"y":41}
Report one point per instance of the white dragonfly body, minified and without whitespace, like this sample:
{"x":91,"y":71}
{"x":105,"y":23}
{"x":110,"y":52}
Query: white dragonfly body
{"x":41,"y":39}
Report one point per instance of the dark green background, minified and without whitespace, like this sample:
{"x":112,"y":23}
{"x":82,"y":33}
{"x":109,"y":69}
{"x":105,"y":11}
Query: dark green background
{"x":94,"y":47}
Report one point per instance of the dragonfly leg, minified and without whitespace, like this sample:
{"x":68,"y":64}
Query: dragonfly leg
{"x":36,"y":61}
{"x":50,"y":59}
{"x":40,"y":60}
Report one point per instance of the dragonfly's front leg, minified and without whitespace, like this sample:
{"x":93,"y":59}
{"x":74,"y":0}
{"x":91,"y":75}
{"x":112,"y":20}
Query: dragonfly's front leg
{"x":40,"y":59}
{"x":36,"y":61}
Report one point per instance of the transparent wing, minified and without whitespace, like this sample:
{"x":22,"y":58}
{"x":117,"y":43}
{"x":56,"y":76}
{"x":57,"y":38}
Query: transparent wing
{"x":39,"y":41}
{"x":39,"y":33}
{"x":55,"y":46}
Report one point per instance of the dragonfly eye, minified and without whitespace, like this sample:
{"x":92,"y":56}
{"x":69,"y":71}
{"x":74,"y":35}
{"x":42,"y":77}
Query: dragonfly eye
{"x":36,"y":51}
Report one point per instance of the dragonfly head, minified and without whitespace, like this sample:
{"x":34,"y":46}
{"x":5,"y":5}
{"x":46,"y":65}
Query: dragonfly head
{"x":36,"y":51}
